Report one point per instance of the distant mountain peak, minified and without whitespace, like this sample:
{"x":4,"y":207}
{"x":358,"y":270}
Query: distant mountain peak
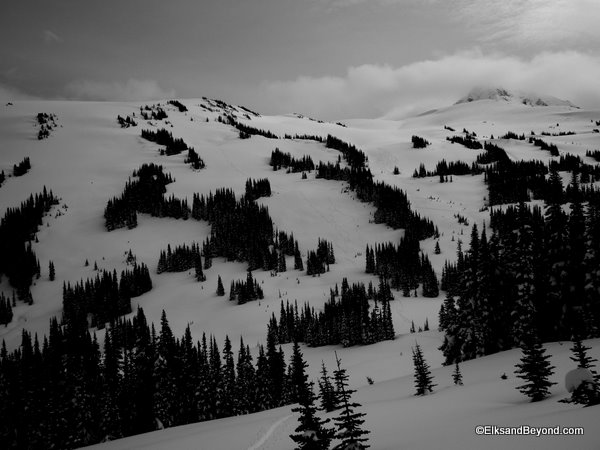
{"x":500,"y":94}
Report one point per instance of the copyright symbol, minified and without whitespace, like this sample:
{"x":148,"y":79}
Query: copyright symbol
{"x":479,"y":430}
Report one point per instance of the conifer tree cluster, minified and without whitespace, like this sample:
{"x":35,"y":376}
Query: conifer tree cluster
{"x":144,"y":194}
{"x":46,"y":122}
{"x":2,"y":178}
{"x":346,"y":319}
{"x":194,"y":160}
{"x":22,"y":168}
{"x":552,"y":148}
{"x":256,"y":189}
{"x":6,"y":313}
{"x":403,"y":266}
{"x":305,"y":137}
{"x":173,"y":146}
{"x":105,"y":297}
{"x":180,"y":259}
{"x":154,"y":112}
{"x":280,"y":160}
{"x":126,"y":122}
{"x":245,"y":291}
{"x":419,"y":142}
{"x":536,"y":270}
{"x":177,"y":104}
{"x":317,"y":262}
{"x":466,"y":141}
{"x":63,"y":392}
{"x":242,"y":230}
{"x":17,"y":229}
{"x":246,"y":131}
{"x":444,"y":168}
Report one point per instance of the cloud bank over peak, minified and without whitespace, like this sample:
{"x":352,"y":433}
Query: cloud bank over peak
{"x":131,"y":90}
{"x":372,"y":90}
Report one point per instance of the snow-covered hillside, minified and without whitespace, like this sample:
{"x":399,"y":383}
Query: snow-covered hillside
{"x":88,"y":158}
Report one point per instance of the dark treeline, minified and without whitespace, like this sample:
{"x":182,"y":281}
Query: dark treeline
{"x":536,"y":271}
{"x":144,"y":194}
{"x":419,"y":142}
{"x":126,"y":122}
{"x":256,"y":189}
{"x":306,"y":137}
{"x":317,"y":262}
{"x":492,"y":154}
{"x":513,"y":135}
{"x":514,"y":182}
{"x":177,"y":104}
{"x":595,"y":154}
{"x":104,"y":298}
{"x":194,"y":160}
{"x":22,"y":168}
{"x":466,"y":141}
{"x":552,"y":148}
{"x":180,"y":259}
{"x":17,"y":229}
{"x":280,"y":160}
{"x":153,"y":112}
{"x":444,"y":168}
{"x":63,"y":393}
{"x":6,"y":313}
{"x":2,"y":178}
{"x":391,"y":203}
{"x":353,"y":156}
{"x":345,"y":318}
{"x":246,"y":131}
{"x":403,"y":266}
{"x":245,"y":291}
{"x":173,"y":146}
{"x":242,"y":230}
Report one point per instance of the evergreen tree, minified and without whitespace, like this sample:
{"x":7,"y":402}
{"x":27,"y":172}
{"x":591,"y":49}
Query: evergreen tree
{"x":51,"y":272}
{"x":456,"y":375}
{"x":423,"y":377}
{"x":588,"y":392}
{"x":220,"y":288}
{"x":535,"y":369}
{"x":349,"y":422}
{"x":327,"y":391}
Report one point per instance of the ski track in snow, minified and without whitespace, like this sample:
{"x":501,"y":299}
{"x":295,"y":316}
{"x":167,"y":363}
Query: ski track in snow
{"x":269,"y":433}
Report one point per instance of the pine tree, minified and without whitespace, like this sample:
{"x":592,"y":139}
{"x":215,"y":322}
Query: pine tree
{"x":423,"y":377}
{"x":456,"y":375}
{"x":588,"y":392}
{"x":327,"y":391}
{"x":298,"y":264}
{"x":198,"y":268}
{"x":535,"y":369}
{"x":220,"y":288}
{"x":51,"y":271}
{"x":310,"y":433}
{"x":349,"y":422}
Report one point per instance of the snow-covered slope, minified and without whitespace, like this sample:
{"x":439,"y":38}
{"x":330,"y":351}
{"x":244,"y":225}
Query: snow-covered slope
{"x":88,"y":158}
{"x":499,"y":94}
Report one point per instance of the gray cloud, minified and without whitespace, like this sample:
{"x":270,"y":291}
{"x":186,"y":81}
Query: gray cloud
{"x":130,"y":90}
{"x":380,"y":90}
{"x":50,"y":37}
{"x":534,"y":22}
{"x":9,"y":93}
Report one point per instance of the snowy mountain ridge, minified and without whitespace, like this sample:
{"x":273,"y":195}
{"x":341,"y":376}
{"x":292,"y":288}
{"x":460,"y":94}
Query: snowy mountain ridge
{"x":500,"y":94}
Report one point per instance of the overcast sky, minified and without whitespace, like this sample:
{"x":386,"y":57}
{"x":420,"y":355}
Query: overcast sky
{"x":327,"y":58}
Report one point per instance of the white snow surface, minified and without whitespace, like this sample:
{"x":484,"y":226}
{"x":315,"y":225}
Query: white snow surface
{"x":88,"y":158}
